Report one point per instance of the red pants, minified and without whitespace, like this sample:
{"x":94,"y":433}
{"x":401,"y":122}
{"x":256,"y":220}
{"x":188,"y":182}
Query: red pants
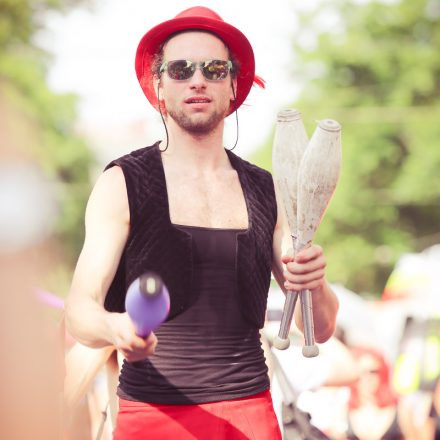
{"x":248,"y":418}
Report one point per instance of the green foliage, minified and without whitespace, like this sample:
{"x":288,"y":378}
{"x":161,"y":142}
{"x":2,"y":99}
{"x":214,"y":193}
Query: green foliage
{"x":47,"y":118}
{"x":20,"y":19}
{"x":378,"y":74}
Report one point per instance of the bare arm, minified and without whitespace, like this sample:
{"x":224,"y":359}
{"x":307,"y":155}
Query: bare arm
{"x":306,"y":271}
{"x":107,"y":224}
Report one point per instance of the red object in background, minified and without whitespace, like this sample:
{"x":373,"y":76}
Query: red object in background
{"x":384,"y":394}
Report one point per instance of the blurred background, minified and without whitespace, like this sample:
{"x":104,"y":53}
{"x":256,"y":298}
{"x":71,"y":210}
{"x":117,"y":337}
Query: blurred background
{"x":70,"y":102}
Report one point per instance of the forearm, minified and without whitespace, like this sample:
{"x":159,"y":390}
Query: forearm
{"x":88,"y":322}
{"x":325,"y":308}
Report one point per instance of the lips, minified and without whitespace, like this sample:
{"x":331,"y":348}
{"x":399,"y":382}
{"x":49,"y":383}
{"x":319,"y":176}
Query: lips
{"x":197,"y":100}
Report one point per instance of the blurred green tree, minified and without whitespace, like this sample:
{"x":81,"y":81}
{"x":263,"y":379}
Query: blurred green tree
{"x":39,"y":123}
{"x":377,"y":71}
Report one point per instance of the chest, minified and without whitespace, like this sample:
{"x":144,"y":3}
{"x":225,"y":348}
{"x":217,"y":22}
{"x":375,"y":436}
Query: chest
{"x":216,"y":201}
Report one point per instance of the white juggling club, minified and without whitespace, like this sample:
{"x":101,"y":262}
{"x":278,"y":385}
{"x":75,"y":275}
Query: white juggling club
{"x":316,"y":179}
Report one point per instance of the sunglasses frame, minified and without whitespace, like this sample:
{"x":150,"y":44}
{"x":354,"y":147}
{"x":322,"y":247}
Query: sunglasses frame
{"x":194,"y":65}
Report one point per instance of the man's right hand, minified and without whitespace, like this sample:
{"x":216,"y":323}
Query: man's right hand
{"x":124,"y":338}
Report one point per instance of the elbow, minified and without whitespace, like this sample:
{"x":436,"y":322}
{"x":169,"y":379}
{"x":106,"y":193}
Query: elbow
{"x":78,"y":324}
{"x":72,"y":320}
{"x":328,"y":327}
{"x":326,"y":333}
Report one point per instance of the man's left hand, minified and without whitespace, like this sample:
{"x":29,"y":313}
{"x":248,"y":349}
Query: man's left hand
{"x":306,"y":270}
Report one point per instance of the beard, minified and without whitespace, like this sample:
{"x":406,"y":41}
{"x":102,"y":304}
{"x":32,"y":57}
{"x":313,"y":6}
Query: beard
{"x":197,"y":123}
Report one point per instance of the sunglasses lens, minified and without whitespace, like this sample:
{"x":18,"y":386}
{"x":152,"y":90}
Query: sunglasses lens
{"x":180,"y":69}
{"x":215,"y":70}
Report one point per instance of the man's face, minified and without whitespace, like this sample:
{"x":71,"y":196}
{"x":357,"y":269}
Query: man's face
{"x":197,"y":105}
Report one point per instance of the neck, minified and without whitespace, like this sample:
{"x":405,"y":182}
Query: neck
{"x":195,"y":151}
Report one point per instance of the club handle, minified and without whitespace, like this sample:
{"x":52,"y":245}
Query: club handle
{"x":282,"y":341}
{"x":310,"y":349}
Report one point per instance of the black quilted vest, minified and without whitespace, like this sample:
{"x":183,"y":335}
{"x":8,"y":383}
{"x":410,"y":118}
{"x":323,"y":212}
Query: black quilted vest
{"x":155,"y":244}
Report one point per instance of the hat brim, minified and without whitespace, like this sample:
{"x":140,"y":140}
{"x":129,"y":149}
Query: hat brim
{"x":236,"y":41}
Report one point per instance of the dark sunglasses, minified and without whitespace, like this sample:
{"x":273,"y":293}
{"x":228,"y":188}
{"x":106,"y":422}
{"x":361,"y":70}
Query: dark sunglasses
{"x":181,"y":70}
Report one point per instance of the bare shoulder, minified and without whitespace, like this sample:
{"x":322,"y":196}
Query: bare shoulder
{"x":109,"y":195}
{"x":111,"y":179}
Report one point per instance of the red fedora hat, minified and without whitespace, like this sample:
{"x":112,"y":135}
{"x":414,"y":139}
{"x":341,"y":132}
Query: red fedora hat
{"x":202,"y":18}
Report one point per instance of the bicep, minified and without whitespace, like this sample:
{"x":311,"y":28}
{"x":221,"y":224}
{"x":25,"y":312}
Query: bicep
{"x":107,"y":226}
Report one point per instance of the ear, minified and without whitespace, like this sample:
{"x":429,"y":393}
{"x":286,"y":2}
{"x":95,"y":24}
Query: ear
{"x":233,"y":94}
{"x":157,"y":83}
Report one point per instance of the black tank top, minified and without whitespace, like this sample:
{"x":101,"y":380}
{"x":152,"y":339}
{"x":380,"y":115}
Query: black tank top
{"x":209,"y":352}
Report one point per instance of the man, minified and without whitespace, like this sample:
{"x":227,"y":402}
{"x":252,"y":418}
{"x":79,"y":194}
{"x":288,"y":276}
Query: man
{"x":209,"y":223}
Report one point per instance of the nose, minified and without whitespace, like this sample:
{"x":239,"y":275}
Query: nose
{"x":198,"y":80}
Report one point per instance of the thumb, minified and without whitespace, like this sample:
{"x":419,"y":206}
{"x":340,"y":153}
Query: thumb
{"x":288,"y":257}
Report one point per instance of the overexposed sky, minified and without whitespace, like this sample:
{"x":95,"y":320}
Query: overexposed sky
{"x":94,"y":53}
